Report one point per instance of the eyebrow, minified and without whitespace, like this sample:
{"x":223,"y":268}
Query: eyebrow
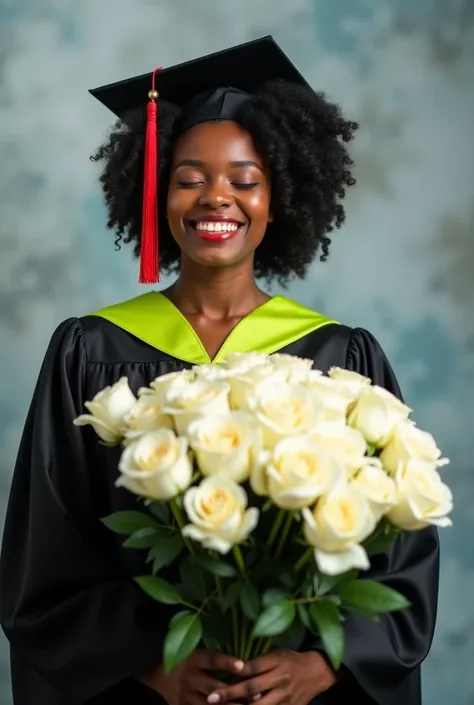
{"x":234,"y":165}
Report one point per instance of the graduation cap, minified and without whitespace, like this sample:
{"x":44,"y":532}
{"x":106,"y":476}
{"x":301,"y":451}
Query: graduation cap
{"x":213,"y":87}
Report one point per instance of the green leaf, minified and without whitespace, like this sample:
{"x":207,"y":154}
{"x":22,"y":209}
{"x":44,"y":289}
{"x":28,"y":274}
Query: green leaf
{"x":162,"y":511}
{"x":215,"y":566}
{"x":380,"y":543}
{"x":181,"y":640}
{"x":159,"y":589}
{"x":303,"y":615}
{"x":372,"y":597}
{"x":250,"y":601}
{"x":194,"y":588}
{"x":128,"y":522}
{"x":288,"y":578}
{"x":325,"y":583}
{"x":293,"y":637}
{"x":176,"y":617}
{"x":326,"y":618}
{"x":273,"y":595}
{"x":275,"y":619}
{"x":143,"y":538}
{"x":231,"y":596}
{"x":165,"y":551}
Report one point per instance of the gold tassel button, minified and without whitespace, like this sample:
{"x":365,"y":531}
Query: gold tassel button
{"x":153,"y":94}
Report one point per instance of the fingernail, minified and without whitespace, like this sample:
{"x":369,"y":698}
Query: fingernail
{"x":257,"y":697}
{"x":213,"y":698}
{"x":239,"y":666}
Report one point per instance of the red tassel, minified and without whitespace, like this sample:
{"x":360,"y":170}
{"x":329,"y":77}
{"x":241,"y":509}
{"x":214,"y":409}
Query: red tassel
{"x":149,"y":253}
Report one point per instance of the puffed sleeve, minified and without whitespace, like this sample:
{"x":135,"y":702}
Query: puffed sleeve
{"x":384,"y":657}
{"x":69,"y":614}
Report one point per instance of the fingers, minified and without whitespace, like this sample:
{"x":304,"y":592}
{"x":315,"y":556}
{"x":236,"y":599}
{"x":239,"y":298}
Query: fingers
{"x":264,"y":663}
{"x":249,"y":689}
{"x":210,"y":661}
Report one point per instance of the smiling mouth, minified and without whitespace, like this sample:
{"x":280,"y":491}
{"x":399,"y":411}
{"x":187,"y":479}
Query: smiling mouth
{"x":216,"y":231}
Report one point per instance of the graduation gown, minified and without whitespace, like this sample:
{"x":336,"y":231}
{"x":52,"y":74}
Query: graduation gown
{"x":78,"y":626}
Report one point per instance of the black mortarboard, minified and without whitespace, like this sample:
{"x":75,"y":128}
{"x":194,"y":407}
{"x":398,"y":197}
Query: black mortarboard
{"x":209,"y":88}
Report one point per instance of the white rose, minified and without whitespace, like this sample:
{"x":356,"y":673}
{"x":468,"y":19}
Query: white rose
{"x":211,"y":373}
{"x":297,"y":473}
{"x":243,"y":383}
{"x":146,"y":415}
{"x":156,"y":465}
{"x":346,"y":444}
{"x":377,"y":486}
{"x":107,"y":411}
{"x":291,"y":364}
{"x":243,"y":362}
{"x":334,"y":396}
{"x":217,"y":510}
{"x":408,"y":442}
{"x":225,"y":445}
{"x":376,"y":413}
{"x":161,"y":385}
{"x":283,"y":409}
{"x":336,"y":527}
{"x":187,"y":403}
{"x":352,"y":380}
{"x":423,"y":498}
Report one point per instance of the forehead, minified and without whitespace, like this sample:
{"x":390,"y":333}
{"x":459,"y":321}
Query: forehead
{"x":216,"y":141}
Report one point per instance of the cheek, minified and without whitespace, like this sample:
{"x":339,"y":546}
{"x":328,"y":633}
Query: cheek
{"x":258,"y":204}
{"x":178,"y":203}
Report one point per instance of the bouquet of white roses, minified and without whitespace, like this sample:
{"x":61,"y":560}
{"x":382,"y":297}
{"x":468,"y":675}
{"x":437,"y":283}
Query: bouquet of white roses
{"x":266,"y":487}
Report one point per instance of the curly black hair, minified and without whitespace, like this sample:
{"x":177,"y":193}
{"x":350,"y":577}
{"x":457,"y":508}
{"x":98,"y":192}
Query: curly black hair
{"x":300,"y":135}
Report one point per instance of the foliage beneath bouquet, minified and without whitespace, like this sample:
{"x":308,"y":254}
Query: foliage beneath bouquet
{"x":268,"y":487}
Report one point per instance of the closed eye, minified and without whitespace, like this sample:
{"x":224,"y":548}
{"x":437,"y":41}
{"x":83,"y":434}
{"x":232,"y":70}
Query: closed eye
{"x":244,"y":186}
{"x":189,"y":184}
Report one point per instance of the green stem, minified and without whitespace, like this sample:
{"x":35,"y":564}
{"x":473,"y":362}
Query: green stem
{"x":239,"y":559}
{"x":303,"y":559}
{"x":276,"y":527}
{"x":178,"y":515}
{"x":243,"y":629}
{"x":235,"y":629}
{"x":284,"y":534}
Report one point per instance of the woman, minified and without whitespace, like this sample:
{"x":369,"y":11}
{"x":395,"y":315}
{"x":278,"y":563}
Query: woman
{"x":251,"y":183}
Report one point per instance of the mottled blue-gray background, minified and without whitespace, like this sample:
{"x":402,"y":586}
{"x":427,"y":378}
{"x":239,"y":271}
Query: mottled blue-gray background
{"x":403,"y":265}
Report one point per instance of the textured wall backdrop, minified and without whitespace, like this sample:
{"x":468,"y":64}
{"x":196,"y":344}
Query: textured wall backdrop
{"x":402,"y":266}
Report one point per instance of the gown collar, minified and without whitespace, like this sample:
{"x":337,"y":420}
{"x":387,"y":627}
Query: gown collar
{"x":156,"y":321}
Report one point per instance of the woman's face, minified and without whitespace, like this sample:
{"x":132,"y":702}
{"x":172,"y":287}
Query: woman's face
{"x":219,"y":195}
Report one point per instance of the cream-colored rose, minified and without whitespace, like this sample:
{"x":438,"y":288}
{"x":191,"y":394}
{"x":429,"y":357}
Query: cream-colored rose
{"x":192,"y":401}
{"x":352,"y":380}
{"x":291,"y":364}
{"x":225,"y":445}
{"x":376,"y":414}
{"x":211,"y":373}
{"x":107,"y":411}
{"x":408,"y":442}
{"x":156,"y":465}
{"x":146,"y":415}
{"x":217,"y":510}
{"x":243,"y":383}
{"x":161,"y":385}
{"x":377,"y":486}
{"x":332,"y":395}
{"x":336,"y":527}
{"x":297,"y":472}
{"x":346,"y":444}
{"x":282,"y":410}
{"x":422,"y":497}
{"x":242,"y":362}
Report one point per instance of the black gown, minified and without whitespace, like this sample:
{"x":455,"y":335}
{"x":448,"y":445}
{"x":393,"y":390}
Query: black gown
{"x":79,"y":628}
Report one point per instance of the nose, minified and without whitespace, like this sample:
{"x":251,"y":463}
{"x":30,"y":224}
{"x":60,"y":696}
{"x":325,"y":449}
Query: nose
{"x":215,"y":195}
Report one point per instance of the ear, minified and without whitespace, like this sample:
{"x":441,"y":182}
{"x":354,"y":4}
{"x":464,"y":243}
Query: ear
{"x":270,"y":217}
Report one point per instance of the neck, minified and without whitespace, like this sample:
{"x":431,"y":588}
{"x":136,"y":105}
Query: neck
{"x":215,"y":292}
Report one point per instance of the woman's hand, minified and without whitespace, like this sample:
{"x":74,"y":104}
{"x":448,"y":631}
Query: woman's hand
{"x":190,"y":683}
{"x":281,"y":678}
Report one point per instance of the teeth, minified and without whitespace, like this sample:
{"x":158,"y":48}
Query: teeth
{"x":216,"y":227}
